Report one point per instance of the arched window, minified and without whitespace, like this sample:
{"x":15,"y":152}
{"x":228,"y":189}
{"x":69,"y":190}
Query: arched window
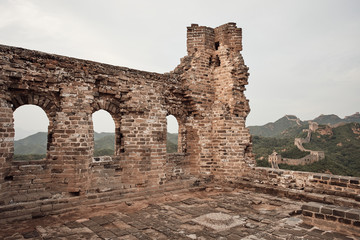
{"x":172,"y":134}
{"x":104,"y":133}
{"x":31,"y":133}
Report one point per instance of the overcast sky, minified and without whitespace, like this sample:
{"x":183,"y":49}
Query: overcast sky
{"x":304,"y":56}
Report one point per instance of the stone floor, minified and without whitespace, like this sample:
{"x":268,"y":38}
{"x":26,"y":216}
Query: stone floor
{"x":212,"y":214}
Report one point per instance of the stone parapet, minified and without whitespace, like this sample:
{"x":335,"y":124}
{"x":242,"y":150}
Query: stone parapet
{"x":335,"y":216}
{"x":311,"y":182}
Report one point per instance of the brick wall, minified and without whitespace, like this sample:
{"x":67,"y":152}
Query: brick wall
{"x":334,"y":217}
{"x":205,"y":93}
{"x":333,"y":185}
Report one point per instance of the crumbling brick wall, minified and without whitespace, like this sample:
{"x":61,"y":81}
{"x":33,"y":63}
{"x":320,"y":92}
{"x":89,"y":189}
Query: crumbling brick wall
{"x":214,"y":76}
{"x":205,"y":93}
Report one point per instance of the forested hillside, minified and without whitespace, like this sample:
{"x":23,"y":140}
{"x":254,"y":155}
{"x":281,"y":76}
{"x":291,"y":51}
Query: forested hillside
{"x":340,"y":144}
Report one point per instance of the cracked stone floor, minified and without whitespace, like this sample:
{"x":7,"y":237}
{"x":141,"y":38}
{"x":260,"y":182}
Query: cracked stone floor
{"x":212,"y":214}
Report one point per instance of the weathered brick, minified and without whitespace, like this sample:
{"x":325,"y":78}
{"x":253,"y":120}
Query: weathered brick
{"x":328,"y":210}
{"x":353,"y":214}
{"x":344,"y":220}
{"x":312,"y":207}
{"x":340,"y":212}
{"x":307,"y":213}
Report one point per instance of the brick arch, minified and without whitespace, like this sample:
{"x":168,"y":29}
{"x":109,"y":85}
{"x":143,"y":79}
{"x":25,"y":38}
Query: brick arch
{"x":113,"y":107}
{"x":48,"y":102}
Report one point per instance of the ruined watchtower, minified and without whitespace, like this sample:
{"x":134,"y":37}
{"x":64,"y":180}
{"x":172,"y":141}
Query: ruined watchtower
{"x":214,"y":76}
{"x":205,"y":93}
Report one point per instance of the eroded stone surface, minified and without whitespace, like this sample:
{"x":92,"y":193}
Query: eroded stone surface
{"x":172,"y":217}
{"x":219,"y":221}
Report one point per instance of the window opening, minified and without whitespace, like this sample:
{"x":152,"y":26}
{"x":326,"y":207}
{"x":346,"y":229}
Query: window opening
{"x":217,"y":44}
{"x":172,"y":134}
{"x":31,"y":133}
{"x":217,"y":61}
{"x":104,"y":133}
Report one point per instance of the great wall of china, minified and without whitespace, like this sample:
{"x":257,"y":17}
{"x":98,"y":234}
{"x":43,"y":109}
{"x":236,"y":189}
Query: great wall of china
{"x":205,"y":92}
{"x":275,"y":159}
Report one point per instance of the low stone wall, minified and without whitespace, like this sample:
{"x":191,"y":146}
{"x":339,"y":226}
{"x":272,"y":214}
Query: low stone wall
{"x":333,"y":213}
{"x":57,"y":204}
{"x":335,"y":216}
{"x":176,"y":166}
{"x":310,"y":158}
{"x":26,"y":181}
{"x":33,"y":195}
{"x":343,"y":186}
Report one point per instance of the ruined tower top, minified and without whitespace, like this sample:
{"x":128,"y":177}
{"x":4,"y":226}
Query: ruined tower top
{"x":202,"y":38}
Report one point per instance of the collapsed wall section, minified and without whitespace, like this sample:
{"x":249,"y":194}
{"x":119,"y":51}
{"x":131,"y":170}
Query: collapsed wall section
{"x":205,"y":93}
{"x":214,"y":76}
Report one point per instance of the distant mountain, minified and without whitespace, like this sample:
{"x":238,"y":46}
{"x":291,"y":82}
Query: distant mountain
{"x":172,"y":142}
{"x":353,"y":118}
{"x":98,"y":136}
{"x":290,"y":126}
{"x":276,"y":128}
{"x":104,"y":144}
{"x":331,"y":119}
{"x":33,"y":144}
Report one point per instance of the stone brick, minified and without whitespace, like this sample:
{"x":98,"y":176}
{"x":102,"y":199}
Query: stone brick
{"x":307,"y":213}
{"x":319,"y":215}
{"x":328,"y":210}
{"x":331,"y":218}
{"x":353,"y":214}
{"x":312,"y":207}
{"x":344,"y":220}
{"x":340,"y":212}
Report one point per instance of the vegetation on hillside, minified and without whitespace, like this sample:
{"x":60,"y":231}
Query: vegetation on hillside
{"x":28,"y":157}
{"x":34,"y":147}
{"x":274,"y":129}
{"x":341,"y":146}
{"x":34,"y":144}
{"x":172,"y":143}
{"x":264,"y":146}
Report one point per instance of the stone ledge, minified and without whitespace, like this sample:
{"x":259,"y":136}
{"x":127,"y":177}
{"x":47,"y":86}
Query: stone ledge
{"x":346,"y":215}
{"x":297,"y":194}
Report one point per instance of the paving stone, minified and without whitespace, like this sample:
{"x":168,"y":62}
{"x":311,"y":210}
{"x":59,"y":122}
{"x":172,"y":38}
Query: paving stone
{"x":119,"y":232}
{"x":96,"y":228}
{"x":89,"y":223}
{"x":100,"y":220}
{"x":161,"y":221}
{"x":73,"y":225}
{"x":32,"y":234}
{"x":106,"y":234}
